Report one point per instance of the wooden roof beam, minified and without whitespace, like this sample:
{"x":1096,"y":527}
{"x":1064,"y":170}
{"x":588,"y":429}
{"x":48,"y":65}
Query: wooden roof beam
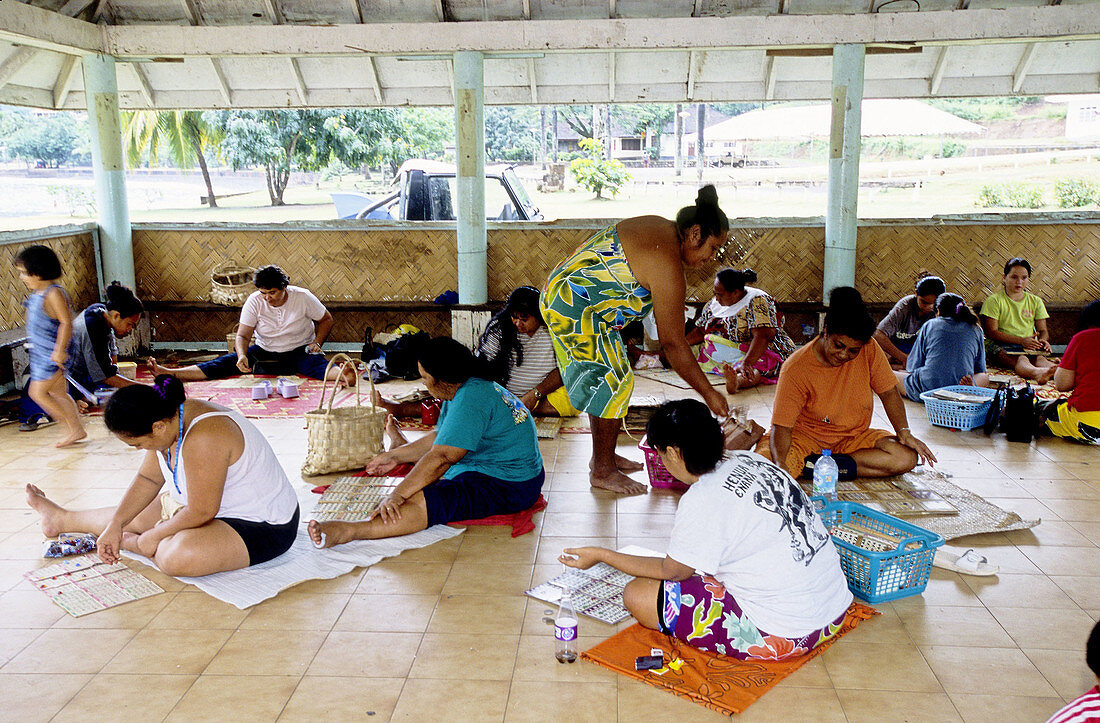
{"x":770,"y":74}
{"x":32,"y":27}
{"x":611,"y":77}
{"x":143,"y":84}
{"x":691,"y":75}
{"x":531,"y":79}
{"x":223,"y":83}
{"x":65,"y":80}
{"x":939,"y":71}
{"x":372,"y":75}
{"x":14,"y":63}
{"x":1023,"y":66}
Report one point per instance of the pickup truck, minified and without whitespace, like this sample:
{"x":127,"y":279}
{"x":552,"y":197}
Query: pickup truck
{"x":425,"y":191}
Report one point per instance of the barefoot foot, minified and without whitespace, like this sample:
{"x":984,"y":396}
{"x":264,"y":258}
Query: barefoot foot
{"x":1047,"y":375}
{"x":627,"y":465}
{"x":130,"y":542}
{"x":733,"y":379}
{"x":327,"y":534}
{"x":393,"y":432}
{"x":617,"y":482}
{"x":155,"y":368}
{"x":73,"y":438}
{"x":50,"y":512}
{"x":379,"y":401}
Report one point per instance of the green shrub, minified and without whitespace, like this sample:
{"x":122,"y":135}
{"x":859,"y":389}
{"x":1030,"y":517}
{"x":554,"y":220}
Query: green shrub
{"x":596,"y":173}
{"x":1076,"y":192}
{"x":951,"y":149}
{"x":1011,"y":195}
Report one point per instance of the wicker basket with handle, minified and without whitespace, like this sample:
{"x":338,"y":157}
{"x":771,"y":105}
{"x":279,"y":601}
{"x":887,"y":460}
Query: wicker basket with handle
{"x":230,"y":283}
{"x":342,"y":438}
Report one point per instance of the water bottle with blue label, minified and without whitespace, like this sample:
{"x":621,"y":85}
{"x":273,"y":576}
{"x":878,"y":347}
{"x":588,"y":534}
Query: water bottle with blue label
{"x":825,"y":476}
{"x":565,"y":630}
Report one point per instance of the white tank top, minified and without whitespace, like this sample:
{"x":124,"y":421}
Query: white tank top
{"x":256,"y":486}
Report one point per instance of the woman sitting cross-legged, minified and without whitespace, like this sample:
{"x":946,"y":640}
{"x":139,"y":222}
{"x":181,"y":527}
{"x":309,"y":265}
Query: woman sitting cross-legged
{"x":746,"y":316}
{"x":948,"y":350}
{"x":825,"y":398}
{"x":751,"y":571}
{"x":483,"y":458}
{"x":226,"y":502}
{"x":1078,"y":418}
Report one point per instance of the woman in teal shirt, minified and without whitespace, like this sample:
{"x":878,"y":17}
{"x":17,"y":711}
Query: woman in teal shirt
{"x":482,"y":460}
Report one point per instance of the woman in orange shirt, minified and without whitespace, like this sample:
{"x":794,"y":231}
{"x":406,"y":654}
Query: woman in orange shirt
{"x":825,"y":399}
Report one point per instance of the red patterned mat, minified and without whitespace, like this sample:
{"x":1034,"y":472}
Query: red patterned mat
{"x":236,"y":393}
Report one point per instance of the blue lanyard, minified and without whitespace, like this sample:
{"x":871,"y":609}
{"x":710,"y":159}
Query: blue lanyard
{"x":176,"y":464}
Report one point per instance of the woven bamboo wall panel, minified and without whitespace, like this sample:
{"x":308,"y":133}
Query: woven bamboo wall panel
{"x":78,"y":276}
{"x":383,"y":265}
{"x":1065,"y":259}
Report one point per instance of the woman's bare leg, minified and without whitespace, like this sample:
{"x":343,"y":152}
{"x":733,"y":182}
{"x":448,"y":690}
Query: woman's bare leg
{"x":184,"y":374}
{"x":53,"y":396}
{"x":57,"y":519}
{"x":605,"y":471}
{"x":887,"y":458}
{"x":640,"y":599}
{"x":414,"y":518}
{"x":213,"y":547}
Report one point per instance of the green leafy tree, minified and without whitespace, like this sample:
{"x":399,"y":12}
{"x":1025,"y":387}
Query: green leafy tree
{"x":421,"y":133}
{"x":511,"y":133}
{"x":184,"y":133}
{"x":51,"y":139}
{"x":308,"y":140}
{"x":596,"y":173}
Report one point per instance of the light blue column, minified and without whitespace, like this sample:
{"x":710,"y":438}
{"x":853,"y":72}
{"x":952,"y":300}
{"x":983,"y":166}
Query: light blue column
{"x":840,"y":216}
{"x":469,"y":76}
{"x":101,"y":94}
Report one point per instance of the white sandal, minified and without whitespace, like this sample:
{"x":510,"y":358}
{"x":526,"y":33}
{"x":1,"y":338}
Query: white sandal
{"x":968,"y":563}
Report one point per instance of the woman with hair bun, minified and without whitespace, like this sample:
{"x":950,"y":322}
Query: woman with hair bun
{"x":95,"y":330}
{"x":949,"y":349}
{"x":897,"y":332}
{"x":616,"y":277}
{"x":744,"y":315}
{"x":825,"y":399}
{"x":210,"y":494}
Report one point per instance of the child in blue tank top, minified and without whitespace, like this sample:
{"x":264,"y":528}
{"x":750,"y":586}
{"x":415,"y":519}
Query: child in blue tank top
{"x":49,"y":331}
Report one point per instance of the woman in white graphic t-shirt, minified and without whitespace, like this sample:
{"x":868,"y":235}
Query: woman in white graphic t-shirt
{"x":289,"y":324}
{"x":751,"y":571}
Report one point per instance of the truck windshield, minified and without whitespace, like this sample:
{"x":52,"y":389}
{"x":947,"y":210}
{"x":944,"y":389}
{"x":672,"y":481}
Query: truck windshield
{"x":520,"y":192}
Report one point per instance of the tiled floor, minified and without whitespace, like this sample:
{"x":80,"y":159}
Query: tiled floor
{"x":446,"y":633}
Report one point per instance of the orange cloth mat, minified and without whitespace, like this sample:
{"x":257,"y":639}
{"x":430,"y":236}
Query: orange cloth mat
{"x":719,"y":682}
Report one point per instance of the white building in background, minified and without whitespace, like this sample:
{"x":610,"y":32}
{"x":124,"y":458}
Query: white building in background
{"x":1082,"y":115}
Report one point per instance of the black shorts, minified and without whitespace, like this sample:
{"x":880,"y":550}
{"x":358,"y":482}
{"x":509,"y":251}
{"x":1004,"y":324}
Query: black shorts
{"x":264,"y":540}
{"x":473,"y":496}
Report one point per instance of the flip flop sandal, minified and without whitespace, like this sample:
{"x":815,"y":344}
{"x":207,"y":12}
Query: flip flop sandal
{"x":968,"y":563}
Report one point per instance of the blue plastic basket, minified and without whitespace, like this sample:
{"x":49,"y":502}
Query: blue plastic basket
{"x":881,"y":576}
{"x":958,"y":415}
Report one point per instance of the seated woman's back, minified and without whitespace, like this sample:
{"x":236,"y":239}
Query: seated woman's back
{"x":947,"y":348}
{"x":750,"y":523}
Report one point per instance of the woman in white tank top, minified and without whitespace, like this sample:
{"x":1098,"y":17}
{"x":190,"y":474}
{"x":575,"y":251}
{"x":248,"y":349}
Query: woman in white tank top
{"x":210,"y":495}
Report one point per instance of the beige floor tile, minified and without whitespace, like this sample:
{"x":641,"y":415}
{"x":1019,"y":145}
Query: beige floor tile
{"x":535,"y":662}
{"x":293,"y":610}
{"x":468,"y":656}
{"x":1075,"y":510}
{"x":133,"y":615}
{"x":13,"y":640}
{"x":340,"y":699}
{"x":872,"y":706}
{"x":1085,"y":591}
{"x":631,"y":525}
{"x":369,"y":655}
{"x":442,"y":551}
{"x":171,"y":652}
{"x":1051,"y":533}
{"x":18,"y":519}
{"x":494,"y":614}
{"x":499,"y":546}
{"x":25,"y":545}
{"x":469,"y":578}
{"x":37,"y":697}
{"x":266,"y":652}
{"x":387,"y":613}
{"x":586,"y":502}
{"x":25,"y":607}
{"x":569,"y":479}
{"x":884,"y":628}
{"x":249,"y":697}
{"x":1067,"y":672}
{"x":963,"y":465}
{"x":1052,"y":629}
{"x":346,"y":583}
{"x":641,"y":702}
{"x":575,"y":524}
{"x":1028,"y":509}
{"x":1059,"y":489}
{"x":198,"y":611}
{"x":997,"y":671}
{"x":1000,"y":708}
{"x":410,"y":578}
{"x":1089,"y":530}
{"x":1021,"y":591}
{"x":69,"y":651}
{"x":127,"y":697}
{"x":879,"y":666}
{"x":991,"y":487}
{"x":551,"y":547}
{"x":557,"y":700}
{"x":1065,"y":560}
{"x":954,"y":626}
{"x":944,"y":588}
{"x":656,"y":502}
{"x":1008,"y":557}
{"x":458,"y":700}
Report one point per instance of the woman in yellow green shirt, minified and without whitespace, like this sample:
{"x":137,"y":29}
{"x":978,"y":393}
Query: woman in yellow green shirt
{"x":1015,"y":321}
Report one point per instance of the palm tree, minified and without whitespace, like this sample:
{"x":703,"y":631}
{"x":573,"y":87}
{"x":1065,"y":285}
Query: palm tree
{"x":185,"y":134}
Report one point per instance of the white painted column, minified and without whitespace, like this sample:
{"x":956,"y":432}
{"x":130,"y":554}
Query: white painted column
{"x":844,"y":144}
{"x":116,"y":245}
{"x":469,"y":70}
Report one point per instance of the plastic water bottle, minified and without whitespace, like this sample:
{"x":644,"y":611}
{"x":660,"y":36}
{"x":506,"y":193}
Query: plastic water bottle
{"x":565,"y":630}
{"x":825,"y":475}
